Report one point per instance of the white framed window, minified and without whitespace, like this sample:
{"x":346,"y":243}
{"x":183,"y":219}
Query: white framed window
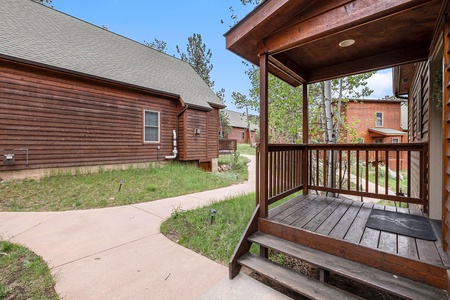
{"x":395,"y":140}
{"x":360,"y":140}
{"x":379,"y":119}
{"x":151,"y":126}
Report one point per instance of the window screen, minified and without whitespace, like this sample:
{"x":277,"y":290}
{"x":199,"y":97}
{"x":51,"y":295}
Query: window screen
{"x":151,"y":126}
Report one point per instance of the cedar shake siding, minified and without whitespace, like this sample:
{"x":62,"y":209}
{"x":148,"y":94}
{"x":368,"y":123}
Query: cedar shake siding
{"x":418,"y":120}
{"x":66,"y":120}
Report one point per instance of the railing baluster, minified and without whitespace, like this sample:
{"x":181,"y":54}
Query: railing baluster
{"x":367,"y":170}
{"x":317,"y":167}
{"x":397,"y":174}
{"x":340,"y":168}
{"x":349,"y":166}
{"x":325,"y":174}
{"x":386,"y":172}
{"x":357,"y":170}
{"x":376,"y":171}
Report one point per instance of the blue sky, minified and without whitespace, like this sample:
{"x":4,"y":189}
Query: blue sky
{"x":173,"y":22}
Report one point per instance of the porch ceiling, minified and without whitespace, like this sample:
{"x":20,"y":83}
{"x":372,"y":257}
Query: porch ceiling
{"x":302,"y":36}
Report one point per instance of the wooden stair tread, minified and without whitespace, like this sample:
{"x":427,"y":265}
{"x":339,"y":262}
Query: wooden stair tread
{"x":376,"y":278}
{"x":297,"y":282}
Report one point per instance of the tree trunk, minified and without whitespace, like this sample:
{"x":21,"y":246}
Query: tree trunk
{"x":330,"y":134}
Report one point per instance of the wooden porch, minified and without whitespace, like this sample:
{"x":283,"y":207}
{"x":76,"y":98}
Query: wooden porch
{"x":319,"y":225}
{"x":340,"y":224}
{"x":305,"y":42}
{"x":330,"y":234}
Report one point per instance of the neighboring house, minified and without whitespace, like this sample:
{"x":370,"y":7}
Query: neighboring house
{"x":375,"y":121}
{"x":73,"y":94}
{"x":378,"y":122}
{"x":239,"y":128}
{"x":297,"y":42}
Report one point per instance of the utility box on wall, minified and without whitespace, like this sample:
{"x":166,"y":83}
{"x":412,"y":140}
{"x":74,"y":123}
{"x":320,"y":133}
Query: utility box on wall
{"x":9,"y":159}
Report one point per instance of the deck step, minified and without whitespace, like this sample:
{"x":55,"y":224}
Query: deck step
{"x":292,"y":280}
{"x":402,"y":287}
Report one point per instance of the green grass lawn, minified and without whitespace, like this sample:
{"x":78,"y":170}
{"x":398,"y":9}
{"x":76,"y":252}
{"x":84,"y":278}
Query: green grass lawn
{"x":217,"y":240}
{"x":24,"y":275}
{"x":96,"y":190}
{"x":246,"y":149}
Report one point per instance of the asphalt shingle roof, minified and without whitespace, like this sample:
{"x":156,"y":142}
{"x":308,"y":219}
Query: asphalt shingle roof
{"x":238,"y":119}
{"x":33,"y":32}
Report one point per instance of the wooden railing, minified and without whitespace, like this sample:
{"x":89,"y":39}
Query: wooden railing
{"x":228,"y":144}
{"x":285,"y":170}
{"x":364,"y":170}
{"x":352,"y":169}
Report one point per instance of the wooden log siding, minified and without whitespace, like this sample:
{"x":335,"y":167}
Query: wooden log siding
{"x":196,"y":144}
{"x":212,"y":124}
{"x":67,"y":120}
{"x":446,"y":132}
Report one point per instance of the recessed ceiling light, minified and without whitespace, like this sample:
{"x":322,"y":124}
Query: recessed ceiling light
{"x":346,"y":43}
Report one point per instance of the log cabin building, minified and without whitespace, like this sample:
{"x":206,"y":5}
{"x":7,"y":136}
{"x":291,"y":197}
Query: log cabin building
{"x":304,"y":42}
{"x":239,"y":128}
{"x":73,"y":94}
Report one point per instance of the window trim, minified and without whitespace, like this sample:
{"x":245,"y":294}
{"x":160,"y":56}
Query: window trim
{"x":145,"y":126}
{"x":376,"y":119}
{"x":398,"y":140}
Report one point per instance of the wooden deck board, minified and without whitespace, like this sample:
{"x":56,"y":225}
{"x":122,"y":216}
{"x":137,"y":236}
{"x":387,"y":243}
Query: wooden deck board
{"x":342,"y":227}
{"x":296,"y":209}
{"x":304,"y":219}
{"x":345,"y":219}
{"x":286,"y":205}
{"x":356,"y":231}
{"x":388,"y":242}
{"x":333,"y":219}
{"x":406,"y":246}
{"x":323,"y":215}
{"x":370,"y":238}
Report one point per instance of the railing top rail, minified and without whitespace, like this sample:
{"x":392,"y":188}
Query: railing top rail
{"x":281,"y":147}
{"x":385,"y":146}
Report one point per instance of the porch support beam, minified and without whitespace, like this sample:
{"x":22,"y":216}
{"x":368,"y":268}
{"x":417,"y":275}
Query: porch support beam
{"x":264,"y":136}
{"x":305,"y":139}
{"x":264,"y":143}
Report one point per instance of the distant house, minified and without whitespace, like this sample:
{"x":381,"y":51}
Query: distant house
{"x":376,"y":121}
{"x":239,"y":128}
{"x":73,"y":94}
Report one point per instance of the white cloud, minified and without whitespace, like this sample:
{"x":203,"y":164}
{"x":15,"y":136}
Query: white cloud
{"x":381,"y":84}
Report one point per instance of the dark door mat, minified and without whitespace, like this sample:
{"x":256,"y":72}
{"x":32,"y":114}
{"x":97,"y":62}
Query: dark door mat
{"x":399,"y":223}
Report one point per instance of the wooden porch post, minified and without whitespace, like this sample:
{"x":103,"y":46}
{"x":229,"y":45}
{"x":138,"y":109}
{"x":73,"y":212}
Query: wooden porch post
{"x":305,"y":166}
{"x":264,"y":136}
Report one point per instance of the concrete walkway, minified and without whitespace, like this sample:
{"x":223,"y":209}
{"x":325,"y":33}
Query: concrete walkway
{"x":119,"y":252}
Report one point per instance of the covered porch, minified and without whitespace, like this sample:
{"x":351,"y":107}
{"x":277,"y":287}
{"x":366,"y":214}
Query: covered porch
{"x":301,"y":42}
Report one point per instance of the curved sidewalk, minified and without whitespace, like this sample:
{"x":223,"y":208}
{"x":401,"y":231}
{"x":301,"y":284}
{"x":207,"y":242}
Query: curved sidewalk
{"x":119,"y":252}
